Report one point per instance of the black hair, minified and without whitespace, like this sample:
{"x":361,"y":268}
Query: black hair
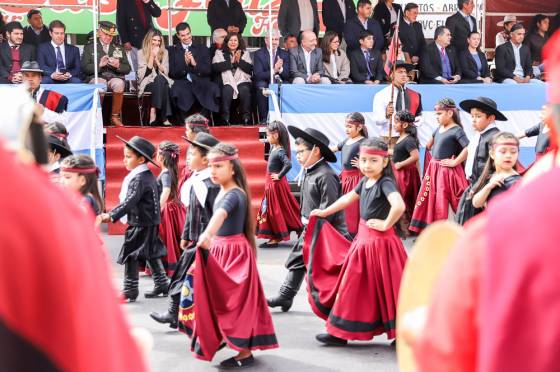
{"x":197,"y":123}
{"x":91,"y":187}
{"x":283,"y":136}
{"x":56,"y":24}
{"x":534,"y":27}
{"x":326,"y":45}
{"x":461,"y":3}
{"x":301,"y":141}
{"x":406,"y":116}
{"x":362,"y":3}
{"x":365,"y":33}
{"x":358,"y":118}
{"x":182,"y":26}
{"x":410,"y":6}
{"x":137,"y":153}
{"x":449,"y":104}
{"x":378,"y":144}
{"x":490,"y":167}
{"x":32,"y":12}
{"x":170,"y":152}
{"x":241,"y":42}
{"x":11,"y":26}
{"x":440,"y":30}
{"x":241,"y":180}
{"x":56,"y":128}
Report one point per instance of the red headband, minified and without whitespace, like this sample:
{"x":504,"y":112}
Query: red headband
{"x":91,"y":170}
{"x":496,"y":145}
{"x":445,"y":107}
{"x":369,"y":151}
{"x":199,"y":124}
{"x":222,"y":158}
{"x":174,"y":154}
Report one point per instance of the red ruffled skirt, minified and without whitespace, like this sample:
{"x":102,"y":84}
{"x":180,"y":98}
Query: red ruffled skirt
{"x":349,"y":180}
{"x":229,"y":302}
{"x":408,"y":182}
{"x":170,"y":230}
{"x":279,"y":213}
{"x":441,"y":187}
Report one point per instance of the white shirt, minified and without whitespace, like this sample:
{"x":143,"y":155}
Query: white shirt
{"x":518,"y":71}
{"x":393,"y":14}
{"x":473,"y":144}
{"x":500,"y":39}
{"x":334,"y":68}
{"x":307,"y":61}
{"x":468,"y":19}
{"x":61,"y":52}
{"x":380,"y":102}
{"x":364,"y":23}
{"x":306,"y":15}
{"x":342,"y":6}
{"x":196,"y":182}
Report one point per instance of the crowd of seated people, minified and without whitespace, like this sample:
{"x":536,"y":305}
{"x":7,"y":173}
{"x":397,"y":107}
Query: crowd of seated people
{"x":226,"y":81}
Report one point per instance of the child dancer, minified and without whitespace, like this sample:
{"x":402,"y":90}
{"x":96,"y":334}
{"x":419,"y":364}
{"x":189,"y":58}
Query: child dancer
{"x":484,"y":112}
{"x":279,"y":212}
{"x":193,"y":124}
{"x":405,"y":164}
{"x":139,"y":198}
{"x":444,"y":180}
{"x":499,"y":174}
{"x":79,"y":173}
{"x":230,"y":306}
{"x":202,"y":194}
{"x":364,"y":302}
{"x":541,"y":131}
{"x":356,"y":131}
{"x":58,"y":150}
{"x":172,"y":211}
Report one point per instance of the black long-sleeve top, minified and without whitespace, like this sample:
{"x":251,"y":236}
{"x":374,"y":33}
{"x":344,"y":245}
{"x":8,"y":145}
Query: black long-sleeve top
{"x":278,"y":162}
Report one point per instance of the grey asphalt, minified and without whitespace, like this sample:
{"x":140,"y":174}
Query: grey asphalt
{"x":295,"y":330}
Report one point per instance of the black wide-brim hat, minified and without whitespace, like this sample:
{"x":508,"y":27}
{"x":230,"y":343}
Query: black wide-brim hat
{"x":484,"y":103}
{"x":398,"y":64}
{"x":59,"y":145}
{"x":141,"y":146}
{"x":316,"y":138}
{"x":204,"y":140}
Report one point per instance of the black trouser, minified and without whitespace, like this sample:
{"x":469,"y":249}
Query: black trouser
{"x":161,"y":96}
{"x":244,"y":98}
{"x":183,"y":264}
{"x":262,"y":101}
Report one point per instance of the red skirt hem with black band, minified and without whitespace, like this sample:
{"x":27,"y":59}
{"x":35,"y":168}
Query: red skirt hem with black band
{"x":170,"y":230}
{"x":408,"y":181}
{"x":349,"y":179}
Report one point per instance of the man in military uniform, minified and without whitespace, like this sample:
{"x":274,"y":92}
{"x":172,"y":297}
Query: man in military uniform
{"x":112,"y":66}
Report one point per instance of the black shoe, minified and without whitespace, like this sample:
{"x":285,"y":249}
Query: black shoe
{"x":284,"y":302}
{"x":161,"y":283}
{"x":157,"y":291}
{"x":242,"y":363}
{"x":130,"y":295}
{"x":269,"y":245}
{"x":331,"y":340}
{"x":165,"y":318}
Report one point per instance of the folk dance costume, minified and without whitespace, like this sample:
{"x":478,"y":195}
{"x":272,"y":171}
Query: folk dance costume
{"x":57,"y":142}
{"x":543,"y":140}
{"x":279,"y":212}
{"x":442,"y":186}
{"x":229,"y":302}
{"x":407,"y":178}
{"x":359,"y":300}
{"x":349,"y":178}
{"x":139,"y":198}
{"x":320,"y":188}
{"x":172,"y":222}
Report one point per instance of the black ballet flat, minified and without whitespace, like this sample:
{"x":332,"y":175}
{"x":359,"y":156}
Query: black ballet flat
{"x":331,"y":340}
{"x":268,"y":245}
{"x":231,"y":363}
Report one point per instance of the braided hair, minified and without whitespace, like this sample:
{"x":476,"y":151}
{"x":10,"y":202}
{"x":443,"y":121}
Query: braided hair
{"x":449,"y":104}
{"x":405,"y":116}
{"x":169,"y":153}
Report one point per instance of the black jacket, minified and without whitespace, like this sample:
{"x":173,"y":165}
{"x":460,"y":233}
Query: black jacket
{"x":358,"y":68}
{"x":30,"y":37}
{"x":469,"y":68}
{"x":430,"y":65}
{"x":460,"y":29}
{"x":383,"y":16}
{"x":481,"y":154}
{"x":261,"y":65}
{"x":131,"y":30}
{"x":412,"y":38}
{"x":26,"y":53}
{"x":220,"y":15}
{"x":289,"y":21}
{"x":332,"y":15}
{"x":505,"y":62}
{"x":353,"y":28}
{"x":141,"y":205}
{"x":199,"y":215}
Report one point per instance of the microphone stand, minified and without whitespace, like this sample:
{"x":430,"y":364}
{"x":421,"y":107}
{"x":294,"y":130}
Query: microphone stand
{"x":278,"y":80}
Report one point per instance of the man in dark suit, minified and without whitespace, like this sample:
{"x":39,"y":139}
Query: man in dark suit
{"x":190,"y":67}
{"x":439,"y":63}
{"x":306,"y":64}
{"x":336,"y":13}
{"x":411,"y":33}
{"x":366,"y":65}
{"x":13,"y":53}
{"x":261,"y":69}
{"x":461,"y":24}
{"x":134,"y":19}
{"x":354,"y":27}
{"x":36,"y":32}
{"x":513,"y":59}
{"x":296,"y":16}
{"x":59,"y":61}
{"x":386,"y":13}
{"x":226,"y":14}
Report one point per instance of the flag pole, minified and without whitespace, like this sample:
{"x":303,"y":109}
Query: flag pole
{"x":393,"y":69}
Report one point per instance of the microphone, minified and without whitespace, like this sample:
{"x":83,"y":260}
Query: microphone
{"x":278,"y":79}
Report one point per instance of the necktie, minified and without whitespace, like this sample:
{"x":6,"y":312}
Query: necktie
{"x":189,"y":78}
{"x":469,"y":22}
{"x":14,"y":46}
{"x":59,"y":61}
{"x":367,"y":56}
{"x":446,"y":67}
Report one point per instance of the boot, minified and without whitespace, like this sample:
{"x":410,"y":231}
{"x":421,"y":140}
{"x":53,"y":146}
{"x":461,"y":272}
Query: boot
{"x":116,"y":109}
{"x":288,"y":290}
{"x":161,"y":283}
{"x":170,"y":316}
{"x":130,"y":290}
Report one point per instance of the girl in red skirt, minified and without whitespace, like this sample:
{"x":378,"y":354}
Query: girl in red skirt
{"x":279,"y":214}
{"x":444,"y":179}
{"x":405,"y":164}
{"x":172,"y":210}
{"x":364,"y":303}
{"x":355,"y":126}
{"x":229,"y":302}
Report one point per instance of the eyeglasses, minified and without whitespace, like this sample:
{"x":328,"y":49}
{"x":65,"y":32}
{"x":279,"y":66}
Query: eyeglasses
{"x":335,"y":41}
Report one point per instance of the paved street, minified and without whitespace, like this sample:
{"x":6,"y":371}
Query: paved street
{"x":295,"y":331}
